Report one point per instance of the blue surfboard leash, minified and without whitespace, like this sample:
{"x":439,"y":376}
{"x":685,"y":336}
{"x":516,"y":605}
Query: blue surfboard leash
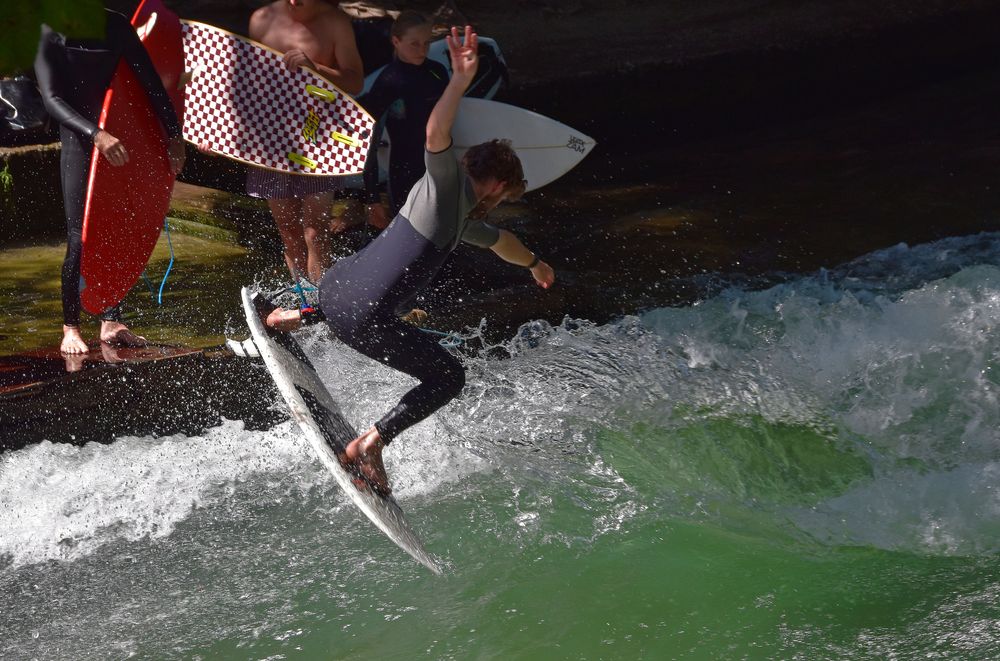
{"x":170,"y":266}
{"x":448,"y":340}
{"x":149,"y":283}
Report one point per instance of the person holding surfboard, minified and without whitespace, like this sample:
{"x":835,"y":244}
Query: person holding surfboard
{"x":318,"y":35}
{"x":73,"y":75}
{"x":362,"y":295}
{"x":402,"y":97}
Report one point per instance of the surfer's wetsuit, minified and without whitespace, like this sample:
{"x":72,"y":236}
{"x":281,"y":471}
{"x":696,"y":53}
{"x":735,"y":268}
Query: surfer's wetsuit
{"x":402,"y":98}
{"x":363,"y":295}
{"x":73,"y":76}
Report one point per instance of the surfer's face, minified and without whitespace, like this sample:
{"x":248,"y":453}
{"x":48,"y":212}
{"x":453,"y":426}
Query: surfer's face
{"x":494,"y":192}
{"x":413,"y":45}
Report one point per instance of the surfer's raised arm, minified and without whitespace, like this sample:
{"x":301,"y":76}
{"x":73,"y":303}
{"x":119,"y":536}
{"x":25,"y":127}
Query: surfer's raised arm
{"x":464,"y":62}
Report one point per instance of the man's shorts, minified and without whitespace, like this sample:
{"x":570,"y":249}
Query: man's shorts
{"x":271,"y":185}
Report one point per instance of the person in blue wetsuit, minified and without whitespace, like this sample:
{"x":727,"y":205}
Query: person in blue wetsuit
{"x":362,"y":296}
{"x":73,"y":76}
{"x":402,"y":98}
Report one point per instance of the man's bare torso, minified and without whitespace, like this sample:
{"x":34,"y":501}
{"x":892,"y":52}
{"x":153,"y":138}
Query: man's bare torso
{"x":273,"y":25}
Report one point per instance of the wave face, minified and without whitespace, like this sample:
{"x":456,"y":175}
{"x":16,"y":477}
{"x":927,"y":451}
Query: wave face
{"x":808,"y":470}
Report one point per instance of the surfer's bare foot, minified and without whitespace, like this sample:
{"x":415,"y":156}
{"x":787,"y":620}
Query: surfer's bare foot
{"x":73,"y":342}
{"x":118,"y":334}
{"x":363,"y":456}
{"x":416,"y":316}
{"x":284,"y":321}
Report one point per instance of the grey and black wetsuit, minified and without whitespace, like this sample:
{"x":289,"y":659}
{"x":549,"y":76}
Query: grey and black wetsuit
{"x":73,"y":76}
{"x":363,"y":295}
{"x":402,"y":98}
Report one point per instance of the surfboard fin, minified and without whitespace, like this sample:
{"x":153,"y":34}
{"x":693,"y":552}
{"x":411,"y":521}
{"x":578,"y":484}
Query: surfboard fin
{"x":244,"y":349}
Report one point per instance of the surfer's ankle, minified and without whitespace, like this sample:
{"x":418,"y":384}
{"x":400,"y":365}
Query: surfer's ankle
{"x":371,"y":442}
{"x":367,"y":445}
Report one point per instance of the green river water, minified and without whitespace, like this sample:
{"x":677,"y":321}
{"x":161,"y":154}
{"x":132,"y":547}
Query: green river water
{"x":808,"y":471}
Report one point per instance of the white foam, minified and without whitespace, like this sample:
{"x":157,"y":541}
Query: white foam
{"x":64,"y":502}
{"x":896,"y":354}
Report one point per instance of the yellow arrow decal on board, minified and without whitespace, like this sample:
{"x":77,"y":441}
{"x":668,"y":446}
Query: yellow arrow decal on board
{"x":321,"y":93}
{"x":346,"y":139}
{"x":302,"y":160}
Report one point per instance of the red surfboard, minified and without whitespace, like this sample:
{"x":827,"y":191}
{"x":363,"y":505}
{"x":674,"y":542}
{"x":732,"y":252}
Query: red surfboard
{"x":126,"y":205}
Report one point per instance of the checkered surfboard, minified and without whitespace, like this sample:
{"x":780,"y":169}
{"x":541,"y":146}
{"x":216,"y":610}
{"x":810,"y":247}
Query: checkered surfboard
{"x":248,"y":106}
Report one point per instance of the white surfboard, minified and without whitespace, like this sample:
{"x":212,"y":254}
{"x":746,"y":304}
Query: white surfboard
{"x":548,"y":149}
{"x":320,"y":420}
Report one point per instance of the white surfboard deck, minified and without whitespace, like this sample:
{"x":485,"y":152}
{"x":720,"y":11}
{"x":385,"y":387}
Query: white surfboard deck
{"x":320,"y":420}
{"x":548,"y":149}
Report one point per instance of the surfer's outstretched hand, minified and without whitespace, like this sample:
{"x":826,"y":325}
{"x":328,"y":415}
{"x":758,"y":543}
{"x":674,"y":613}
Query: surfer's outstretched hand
{"x":284,"y":321}
{"x":464,"y":53}
{"x":543,"y":274}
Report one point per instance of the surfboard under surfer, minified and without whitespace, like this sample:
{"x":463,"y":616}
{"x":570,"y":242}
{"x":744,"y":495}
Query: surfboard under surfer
{"x":362,"y":296}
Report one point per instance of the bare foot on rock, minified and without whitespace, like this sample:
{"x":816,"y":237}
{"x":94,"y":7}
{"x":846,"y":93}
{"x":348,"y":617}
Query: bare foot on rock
{"x":118,"y":334}
{"x":73,"y":342}
{"x":363,"y":457}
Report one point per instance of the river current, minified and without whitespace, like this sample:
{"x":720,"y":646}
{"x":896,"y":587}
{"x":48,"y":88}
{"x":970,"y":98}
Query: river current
{"x":810,"y":470}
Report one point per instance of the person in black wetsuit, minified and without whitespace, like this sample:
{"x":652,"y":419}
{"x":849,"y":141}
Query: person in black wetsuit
{"x":73,"y":76}
{"x":402,"y":98}
{"x":362,"y":296}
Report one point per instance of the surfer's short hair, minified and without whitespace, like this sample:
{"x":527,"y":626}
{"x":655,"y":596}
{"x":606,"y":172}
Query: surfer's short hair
{"x":496,"y":159}
{"x":406,"y":20}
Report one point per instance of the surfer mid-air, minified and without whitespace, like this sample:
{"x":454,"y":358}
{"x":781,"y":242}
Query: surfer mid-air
{"x":362,"y":296}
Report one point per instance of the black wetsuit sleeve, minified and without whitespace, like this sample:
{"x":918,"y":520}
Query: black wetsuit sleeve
{"x":371,"y":167}
{"x":138,"y":58}
{"x":384,"y":91}
{"x":50,"y":68}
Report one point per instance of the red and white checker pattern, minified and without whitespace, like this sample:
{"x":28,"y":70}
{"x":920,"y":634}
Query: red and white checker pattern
{"x":247,"y":105}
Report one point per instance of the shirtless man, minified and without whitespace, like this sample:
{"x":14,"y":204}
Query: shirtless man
{"x":318,"y":35}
